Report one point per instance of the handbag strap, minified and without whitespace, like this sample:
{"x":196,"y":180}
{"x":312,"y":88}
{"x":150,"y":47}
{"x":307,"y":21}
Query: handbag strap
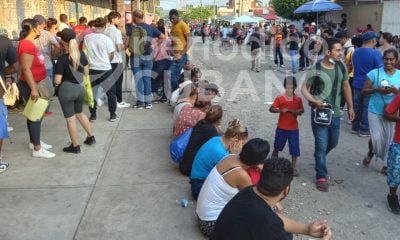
{"x":379,"y":85}
{"x":335,"y":83}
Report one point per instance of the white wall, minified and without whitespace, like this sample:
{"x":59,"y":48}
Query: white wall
{"x":390,"y":17}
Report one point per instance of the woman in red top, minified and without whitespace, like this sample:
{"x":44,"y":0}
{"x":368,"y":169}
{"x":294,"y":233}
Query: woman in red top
{"x":33,"y":72}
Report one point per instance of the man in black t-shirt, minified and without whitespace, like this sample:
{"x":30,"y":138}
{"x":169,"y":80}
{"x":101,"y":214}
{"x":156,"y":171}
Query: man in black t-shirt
{"x":250,"y":215}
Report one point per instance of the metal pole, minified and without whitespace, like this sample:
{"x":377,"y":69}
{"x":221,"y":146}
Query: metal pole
{"x":201,"y":10}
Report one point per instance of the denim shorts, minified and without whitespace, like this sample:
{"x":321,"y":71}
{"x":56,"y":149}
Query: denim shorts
{"x":3,"y":120}
{"x":292,"y":136}
{"x":393,"y":163}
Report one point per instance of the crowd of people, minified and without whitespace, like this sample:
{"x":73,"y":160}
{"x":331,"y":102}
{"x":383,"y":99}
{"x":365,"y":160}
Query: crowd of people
{"x":238,"y":187}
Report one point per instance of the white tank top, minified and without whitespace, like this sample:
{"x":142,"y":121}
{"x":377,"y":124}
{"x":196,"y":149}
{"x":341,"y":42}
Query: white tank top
{"x":214,"y":195}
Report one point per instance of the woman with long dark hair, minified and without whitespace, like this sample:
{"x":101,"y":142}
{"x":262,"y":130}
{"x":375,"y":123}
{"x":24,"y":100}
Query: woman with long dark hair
{"x":33,"y":73}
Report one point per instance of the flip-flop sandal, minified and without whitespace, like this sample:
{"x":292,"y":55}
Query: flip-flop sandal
{"x":367,"y":161}
{"x":322,"y":185}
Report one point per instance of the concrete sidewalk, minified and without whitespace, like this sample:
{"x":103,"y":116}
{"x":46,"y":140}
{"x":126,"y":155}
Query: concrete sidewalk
{"x":123,"y":187}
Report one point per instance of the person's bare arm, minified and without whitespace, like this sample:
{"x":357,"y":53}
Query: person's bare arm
{"x":57,"y":79}
{"x":319,"y":229}
{"x":111,"y":56}
{"x":189,"y":41}
{"x":26,"y":64}
{"x":305,"y":90}
{"x":275,"y":110}
{"x":161,"y":38}
{"x":120,"y":47}
{"x":349,"y":100}
{"x":11,"y":69}
{"x":86,"y":70}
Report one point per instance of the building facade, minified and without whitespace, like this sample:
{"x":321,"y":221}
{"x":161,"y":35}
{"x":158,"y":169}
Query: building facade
{"x":381,"y":14}
{"x":12,"y":12}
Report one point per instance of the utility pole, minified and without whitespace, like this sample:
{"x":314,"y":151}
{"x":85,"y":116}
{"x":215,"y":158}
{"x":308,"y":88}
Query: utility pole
{"x":201,"y":10}
{"x":215,"y":11}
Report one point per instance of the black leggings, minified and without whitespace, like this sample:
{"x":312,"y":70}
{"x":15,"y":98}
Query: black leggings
{"x":33,"y":127}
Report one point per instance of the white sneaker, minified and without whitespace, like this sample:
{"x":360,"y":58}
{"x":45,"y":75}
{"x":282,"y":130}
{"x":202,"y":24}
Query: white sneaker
{"x":42,"y":153}
{"x":99,"y":102}
{"x":10,"y":129}
{"x":123,"y":104}
{"x":43,"y":144}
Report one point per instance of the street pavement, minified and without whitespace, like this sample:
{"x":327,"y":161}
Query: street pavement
{"x":126,"y":187}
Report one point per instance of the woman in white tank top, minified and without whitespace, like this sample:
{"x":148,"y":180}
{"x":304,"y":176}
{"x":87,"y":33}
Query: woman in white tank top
{"x":225,"y":180}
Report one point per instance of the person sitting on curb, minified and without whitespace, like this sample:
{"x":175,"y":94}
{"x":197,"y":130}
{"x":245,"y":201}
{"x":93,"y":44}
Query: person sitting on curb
{"x":250,"y":214}
{"x":226,"y":179}
{"x":214,"y":151}
{"x":202,"y":132}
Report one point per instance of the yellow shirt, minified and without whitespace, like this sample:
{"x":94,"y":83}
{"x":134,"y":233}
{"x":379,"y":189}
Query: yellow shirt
{"x":349,"y":62}
{"x":178,"y":32}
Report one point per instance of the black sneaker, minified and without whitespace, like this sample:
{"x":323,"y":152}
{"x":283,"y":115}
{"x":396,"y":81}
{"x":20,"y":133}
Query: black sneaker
{"x":393,"y":204}
{"x":90,"y":140}
{"x":139,"y":107}
{"x":92,"y":117}
{"x":163,"y":100}
{"x":113,"y":117}
{"x":72,"y":149}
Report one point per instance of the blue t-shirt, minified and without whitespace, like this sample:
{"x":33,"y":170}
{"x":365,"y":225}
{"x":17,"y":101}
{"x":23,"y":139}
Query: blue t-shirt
{"x":151,"y":31}
{"x":364,"y":60}
{"x":376,"y":101}
{"x":208,"y":157}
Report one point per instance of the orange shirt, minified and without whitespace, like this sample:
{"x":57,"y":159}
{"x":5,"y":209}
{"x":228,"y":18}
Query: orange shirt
{"x":278,"y":39}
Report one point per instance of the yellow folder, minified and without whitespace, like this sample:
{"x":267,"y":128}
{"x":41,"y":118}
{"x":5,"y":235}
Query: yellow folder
{"x":34,"y":110}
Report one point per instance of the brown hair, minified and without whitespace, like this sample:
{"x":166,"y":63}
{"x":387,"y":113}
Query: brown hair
{"x":235,"y":129}
{"x":100,"y":22}
{"x":138,"y":14}
{"x":213,"y":114}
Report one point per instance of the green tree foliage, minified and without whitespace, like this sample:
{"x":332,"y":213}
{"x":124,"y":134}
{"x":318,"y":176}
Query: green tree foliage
{"x":285,"y":8}
{"x":199,"y":13}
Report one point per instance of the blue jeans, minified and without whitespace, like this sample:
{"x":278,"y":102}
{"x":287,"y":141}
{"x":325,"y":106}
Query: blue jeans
{"x":142,"y":69}
{"x":326,"y":138}
{"x":278,"y":53}
{"x":293,"y":57}
{"x":49,"y":73}
{"x":159,"y":74}
{"x":176,"y":69}
{"x":360,"y":103}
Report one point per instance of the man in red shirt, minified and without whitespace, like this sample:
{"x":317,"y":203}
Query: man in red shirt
{"x":289,"y":106}
{"x":81,"y":27}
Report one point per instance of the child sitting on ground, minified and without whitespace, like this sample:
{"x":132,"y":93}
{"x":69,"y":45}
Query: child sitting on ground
{"x":289,"y":106}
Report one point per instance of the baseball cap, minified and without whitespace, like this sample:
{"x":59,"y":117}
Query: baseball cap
{"x":214,"y":87}
{"x":39,"y":18}
{"x":66,"y":34}
{"x":72,"y":20}
{"x":369,"y":36}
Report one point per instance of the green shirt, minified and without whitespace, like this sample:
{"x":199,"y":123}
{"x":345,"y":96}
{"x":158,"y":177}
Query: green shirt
{"x":324,"y":89}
